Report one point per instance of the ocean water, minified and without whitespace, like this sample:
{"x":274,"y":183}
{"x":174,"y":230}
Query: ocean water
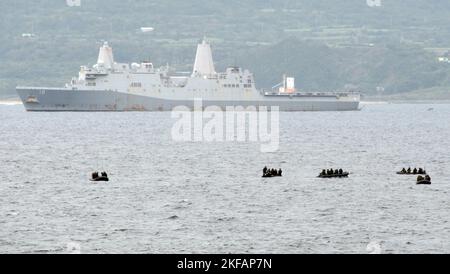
{"x":174,"y":197}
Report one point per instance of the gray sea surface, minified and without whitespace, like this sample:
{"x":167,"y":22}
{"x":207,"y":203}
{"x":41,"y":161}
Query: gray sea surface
{"x":197,"y":197}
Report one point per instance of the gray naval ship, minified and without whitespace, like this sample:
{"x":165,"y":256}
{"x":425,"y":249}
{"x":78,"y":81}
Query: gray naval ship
{"x":111,"y":86}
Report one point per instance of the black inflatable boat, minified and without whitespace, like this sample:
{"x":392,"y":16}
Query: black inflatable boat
{"x":343,"y":175}
{"x":100,"y":179}
{"x":411,"y":173}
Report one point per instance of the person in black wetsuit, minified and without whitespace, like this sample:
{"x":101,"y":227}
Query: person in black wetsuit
{"x":409,"y":170}
{"x":419,"y":178}
{"x":404,"y":170}
{"x":331,"y":171}
{"x":94,"y":175}
{"x":336,"y":172}
{"x":428,"y":178}
{"x":280,"y":172}
{"x":324,"y":172}
{"x":341,"y":171}
{"x":104,"y":174}
{"x":265,"y":170}
{"x":415,"y":171}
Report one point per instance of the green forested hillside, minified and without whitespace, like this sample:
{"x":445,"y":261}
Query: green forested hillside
{"x":316,"y":66}
{"x":325,"y":44}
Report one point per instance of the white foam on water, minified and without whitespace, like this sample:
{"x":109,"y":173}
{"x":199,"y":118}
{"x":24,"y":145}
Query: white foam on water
{"x":10,"y":103}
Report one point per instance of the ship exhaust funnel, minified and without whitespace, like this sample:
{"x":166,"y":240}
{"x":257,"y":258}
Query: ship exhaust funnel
{"x":204,"y":64}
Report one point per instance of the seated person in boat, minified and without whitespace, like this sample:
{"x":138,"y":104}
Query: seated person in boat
{"x":341,"y":171}
{"x":280,"y":172}
{"x":419,"y":178}
{"x":409,"y":170}
{"x":323,"y":173}
{"x":428,"y":178}
{"x":403,"y":171}
{"x":415,"y":171}
{"x":94,"y":175}
{"x":104,"y":174}
{"x":268,"y":172}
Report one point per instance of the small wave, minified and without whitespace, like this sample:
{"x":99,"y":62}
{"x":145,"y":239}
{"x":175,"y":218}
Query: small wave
{"x":225,"y":219}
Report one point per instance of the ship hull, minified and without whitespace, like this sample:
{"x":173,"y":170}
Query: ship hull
{"x":51,"y":99}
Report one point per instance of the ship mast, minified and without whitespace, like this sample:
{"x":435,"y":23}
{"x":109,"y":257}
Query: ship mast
{"x":204,"y":64}
{"x":105,"y":56}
